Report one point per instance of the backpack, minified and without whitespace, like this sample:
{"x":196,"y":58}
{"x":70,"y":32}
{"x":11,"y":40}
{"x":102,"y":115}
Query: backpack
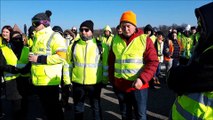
{"x":99,"y":45}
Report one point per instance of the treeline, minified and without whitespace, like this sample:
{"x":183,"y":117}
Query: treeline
{"x":164,"y":28}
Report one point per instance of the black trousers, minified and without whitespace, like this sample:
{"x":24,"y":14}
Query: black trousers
{"x":1,"y":95}
{"x":80,"y":92}
{"x":25,"y":89}
{"x":49,"y":97}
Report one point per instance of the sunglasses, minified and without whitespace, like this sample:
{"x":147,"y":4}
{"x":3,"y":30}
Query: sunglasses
{"x":36,"y":23}
{"x":85,"y":29}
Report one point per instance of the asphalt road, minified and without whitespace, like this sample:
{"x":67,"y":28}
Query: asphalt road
{"x":158,"y":108}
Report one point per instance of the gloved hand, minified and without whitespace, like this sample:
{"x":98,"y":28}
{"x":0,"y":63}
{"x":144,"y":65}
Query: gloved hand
{"x":65,"y":92}
{"x":11,"y":69}
{"x":25,"y":69}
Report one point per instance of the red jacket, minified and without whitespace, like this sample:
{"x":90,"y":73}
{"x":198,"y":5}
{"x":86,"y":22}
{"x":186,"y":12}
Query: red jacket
{"x":150,"y":66}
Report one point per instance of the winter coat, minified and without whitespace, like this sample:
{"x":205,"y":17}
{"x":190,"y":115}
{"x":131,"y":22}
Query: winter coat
{"x":150,"y":60}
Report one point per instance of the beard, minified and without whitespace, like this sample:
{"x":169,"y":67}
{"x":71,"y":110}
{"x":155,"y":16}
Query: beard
{"x":86,"y":38}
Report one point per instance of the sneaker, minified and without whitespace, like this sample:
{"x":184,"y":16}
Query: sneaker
{"x":156,"y":83}
{"x":157,"y":86}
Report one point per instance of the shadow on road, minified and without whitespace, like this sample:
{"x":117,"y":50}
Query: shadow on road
{"x":159,"y":104}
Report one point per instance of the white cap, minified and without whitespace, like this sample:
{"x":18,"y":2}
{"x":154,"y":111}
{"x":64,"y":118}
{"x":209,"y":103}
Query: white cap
{"x":107,"y":27}
{"x":188,"y":27}
{"x":74,"y":28}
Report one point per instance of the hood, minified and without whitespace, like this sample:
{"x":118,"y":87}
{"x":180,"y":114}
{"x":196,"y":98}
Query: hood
{"x":204,"y":13}
{"x":107,"y":28}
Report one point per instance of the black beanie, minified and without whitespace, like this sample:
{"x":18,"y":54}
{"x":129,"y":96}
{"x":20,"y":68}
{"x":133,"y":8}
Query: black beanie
{"x":58,"y":29}
{"x":148,"y":28}
{"x":87,"y":23}
{"x":43,"y":17}
{"x":160,"y":33}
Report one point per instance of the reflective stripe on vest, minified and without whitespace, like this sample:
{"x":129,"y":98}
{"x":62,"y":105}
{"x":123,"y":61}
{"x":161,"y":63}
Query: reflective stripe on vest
{"x":87,"y":67}
{"x":10,"y":57}
{"x":48,"y":49}
{"x":197,"y":106}
{"x":129,"y":59}
{"x":194,"y":106}
{"x":105,"y":71}
{"x":66,"y":73}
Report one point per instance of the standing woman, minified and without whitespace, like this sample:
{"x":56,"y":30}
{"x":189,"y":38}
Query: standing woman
{"x":8,"y":64}
{"x":4,"y":39}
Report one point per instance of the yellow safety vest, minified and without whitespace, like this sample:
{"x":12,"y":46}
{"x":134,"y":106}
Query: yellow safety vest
{"x":107,"y":41}
{"x":66,"y":73}
{"x":194,"y":106}
{"x":47,"y":43}
{"x":129,"y":59}
{"x":88,"y":68}
{"x":1,"y":41}
{"x":153,"y":38}
{"x":187,"y":44}
{"x":29,"y":42}
{"x":11,"y":59}
{"x":24,"y":60}
{"x":77,"y":37}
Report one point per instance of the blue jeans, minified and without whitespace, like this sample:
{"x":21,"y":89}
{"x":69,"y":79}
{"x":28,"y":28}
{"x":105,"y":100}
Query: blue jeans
{"x":79,"y":94}
{"x":158,"y":70}
{"x":138,"y":100}
{"x":122,"y":104}
{"x":175,"y":62}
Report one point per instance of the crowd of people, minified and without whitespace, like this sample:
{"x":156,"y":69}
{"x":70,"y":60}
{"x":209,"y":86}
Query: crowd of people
{"x":49,"y":59}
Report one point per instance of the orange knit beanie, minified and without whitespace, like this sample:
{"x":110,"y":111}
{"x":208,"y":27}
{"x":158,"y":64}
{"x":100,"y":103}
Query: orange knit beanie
{"x":129,"y":16}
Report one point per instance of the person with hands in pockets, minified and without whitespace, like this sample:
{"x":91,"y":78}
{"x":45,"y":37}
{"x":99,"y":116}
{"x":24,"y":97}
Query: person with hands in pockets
{"x":89,"y":70}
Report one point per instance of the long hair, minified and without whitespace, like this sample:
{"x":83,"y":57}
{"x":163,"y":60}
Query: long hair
{"x":7,"y":27}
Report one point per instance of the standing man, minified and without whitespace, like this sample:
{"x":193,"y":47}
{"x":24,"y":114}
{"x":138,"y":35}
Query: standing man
{"x":118,"y":93}
{"x":49,"y":54}
{"x":134,"y":61}
{"x":89,"y":70}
